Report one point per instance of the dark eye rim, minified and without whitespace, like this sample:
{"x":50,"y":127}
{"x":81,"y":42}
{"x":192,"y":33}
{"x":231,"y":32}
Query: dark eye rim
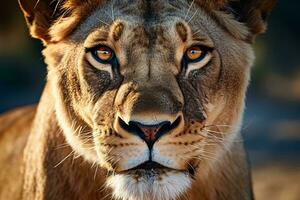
{"x":94,"y":50}
{"x":204,"y":49}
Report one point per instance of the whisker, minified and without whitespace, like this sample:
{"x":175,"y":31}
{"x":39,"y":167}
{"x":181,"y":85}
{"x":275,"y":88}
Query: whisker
{"x":112,"y":12}
{"x":56,"y":6}
{"x":95,"y":174}
{"x":61,"y":146}
{"x":65,"y":158}
{"x":197,"y":32}
{"x":36,"y":4}
{"x":190,"y":6}
{"x":192,"y":16}
{"x":103,"y":22}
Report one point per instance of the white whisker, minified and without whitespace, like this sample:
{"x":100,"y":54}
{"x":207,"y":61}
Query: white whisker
{"x":65,"y":158}
{"x":188,"y":11}
{"x":103,"y":22}
{"x":192,"y":16}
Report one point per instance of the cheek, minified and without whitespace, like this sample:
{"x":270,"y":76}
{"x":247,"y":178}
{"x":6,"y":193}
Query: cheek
{"x":95,"y":81}
{"x":96,"y":91}
{"x":200,"y":87}
{"x":103,"y":111}
{"x":210,"y":74}
{"x":214,"y":108}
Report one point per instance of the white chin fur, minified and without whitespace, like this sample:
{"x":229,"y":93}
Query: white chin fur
{"x":169,"y":187}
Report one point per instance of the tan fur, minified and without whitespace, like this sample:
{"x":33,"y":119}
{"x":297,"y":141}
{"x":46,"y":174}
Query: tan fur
{"x":77,"y":146}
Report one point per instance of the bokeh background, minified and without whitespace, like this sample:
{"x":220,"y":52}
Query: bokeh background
{"x":272,"y":120}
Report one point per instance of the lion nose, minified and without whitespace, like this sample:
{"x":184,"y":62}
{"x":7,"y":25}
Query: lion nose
{"x":150,"y":133}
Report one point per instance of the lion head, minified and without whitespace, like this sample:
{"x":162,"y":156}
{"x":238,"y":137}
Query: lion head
{"x":152,"y":91}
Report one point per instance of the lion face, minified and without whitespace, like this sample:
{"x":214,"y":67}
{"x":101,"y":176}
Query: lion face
{"x":151,"y":91}
{"x":154,"y":101}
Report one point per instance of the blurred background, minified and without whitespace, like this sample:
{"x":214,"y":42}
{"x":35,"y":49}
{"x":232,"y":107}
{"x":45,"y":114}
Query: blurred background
{"x":271,"y":125}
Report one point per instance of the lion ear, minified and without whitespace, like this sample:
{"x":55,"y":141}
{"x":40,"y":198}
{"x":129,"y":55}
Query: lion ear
{"x":39,"y":15}
{"x":53,"y":20}
{"x":253,"y":13}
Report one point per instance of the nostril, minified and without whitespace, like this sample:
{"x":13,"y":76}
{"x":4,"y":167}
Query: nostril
{"x":149,"y":133}
{"x":130,"y":127}
{"x":166,"y":128}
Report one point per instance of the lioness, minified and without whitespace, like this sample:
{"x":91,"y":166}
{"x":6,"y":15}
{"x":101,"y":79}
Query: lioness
{"x":143,"y":101}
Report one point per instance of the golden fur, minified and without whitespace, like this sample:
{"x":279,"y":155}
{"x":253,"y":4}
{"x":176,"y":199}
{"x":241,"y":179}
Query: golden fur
{"x":75,"y":147}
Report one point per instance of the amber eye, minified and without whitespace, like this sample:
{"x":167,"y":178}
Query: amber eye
{"x":103,"y":54}
{"x":195,"y":54}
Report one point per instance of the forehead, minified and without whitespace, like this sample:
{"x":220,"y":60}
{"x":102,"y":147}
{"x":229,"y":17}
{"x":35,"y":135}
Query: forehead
{"x":153,"y":17}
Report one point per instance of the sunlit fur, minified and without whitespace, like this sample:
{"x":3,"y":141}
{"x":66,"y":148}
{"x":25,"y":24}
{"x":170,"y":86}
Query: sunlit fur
{"x":77,"y":147}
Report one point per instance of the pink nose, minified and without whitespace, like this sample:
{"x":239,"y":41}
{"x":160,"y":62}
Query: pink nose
{"x":150,"y":131}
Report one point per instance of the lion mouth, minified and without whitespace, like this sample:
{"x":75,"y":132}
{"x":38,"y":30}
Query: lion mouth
{"x":154,"y":168}
{"x":149,"y":165}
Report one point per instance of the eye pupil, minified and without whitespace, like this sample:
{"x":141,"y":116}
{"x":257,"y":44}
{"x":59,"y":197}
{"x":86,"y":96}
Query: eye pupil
{"x":104,"y":54}
{"x":194,"y":53}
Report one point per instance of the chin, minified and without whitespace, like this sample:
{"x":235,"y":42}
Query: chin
{"x":149,"y":184}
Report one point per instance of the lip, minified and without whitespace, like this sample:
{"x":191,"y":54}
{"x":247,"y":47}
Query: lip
{"x":154,"y":167}
{"x":149,"y":165}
